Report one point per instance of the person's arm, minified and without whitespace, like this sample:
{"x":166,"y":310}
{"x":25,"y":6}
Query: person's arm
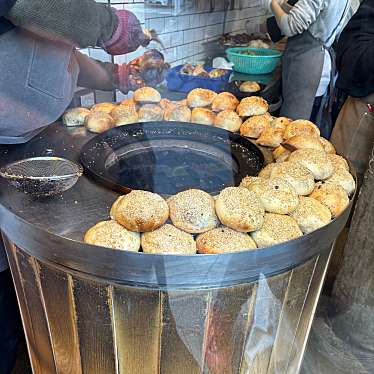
{"x":82,"y":23}
{"x":300,"y":17}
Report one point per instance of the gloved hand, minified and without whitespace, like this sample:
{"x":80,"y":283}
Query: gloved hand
{"x":128,"y":36}
{"x":146,"y":70}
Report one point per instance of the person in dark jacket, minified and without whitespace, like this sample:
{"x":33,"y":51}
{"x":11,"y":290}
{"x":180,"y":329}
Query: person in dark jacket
{"x":40,"y":69}
{"x":353,"y":134}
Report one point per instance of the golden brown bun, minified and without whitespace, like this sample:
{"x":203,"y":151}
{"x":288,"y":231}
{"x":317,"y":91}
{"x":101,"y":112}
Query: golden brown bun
{"x":254,"y":126}
{"x":113,"y":209}
{"x":303,"y":142}
{"x":266,"y":171}
{"x":316,"y":162}
{"x":141,"y":211}
{"x":224,"y":240}
{"x":280,"y":123}
{"x":128,"y":102}
{"x":239,"y":209}
{"x":311,"y":215}
{"x":297,"y":175}
{"x":276,"y":195}
{"x":276,"y":229}
{"x":224,"y":101}
{"x":332,"y":196}
{"x":328,"y":147}
{"x":252,"y":183}
{"x":228,"y":120}
{"x":338,"y":162}
{"x":167,"y":104}
{"x":250,"y":87}
{"x":301,"y":127}
{"x":179,"y":113}
{"x":111,"y":234}
{"x":150,"y":113}
{"x":193,"y":211}
{"x":281,"y":154}
{"x":202,"y":116}
{"x":99,"y":122}
{"x":124,"y":115}
{"x":103,"y":107}
{"x":270,"y":138}
{"x":147,"y":95}
{"x":252,"y":106}
{"x":75,"y":117}
{"x":200,"y":98}
{"x":344,"y":179}
{"x":168,"y":240}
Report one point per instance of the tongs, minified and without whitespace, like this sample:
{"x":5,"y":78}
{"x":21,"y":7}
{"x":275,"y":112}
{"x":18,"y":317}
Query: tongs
{"x":153,"y":36}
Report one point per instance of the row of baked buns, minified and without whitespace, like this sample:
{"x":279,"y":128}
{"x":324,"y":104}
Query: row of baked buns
{"x":201,"y":106}
{"x":285,"y":201}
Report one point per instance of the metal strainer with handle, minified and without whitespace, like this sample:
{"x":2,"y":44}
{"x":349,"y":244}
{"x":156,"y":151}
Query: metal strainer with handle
{"x":42,"y":176}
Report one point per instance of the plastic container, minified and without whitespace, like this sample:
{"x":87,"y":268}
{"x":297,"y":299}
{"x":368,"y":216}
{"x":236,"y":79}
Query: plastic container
{"x":264,"y":63}
{"x":185,"y":83}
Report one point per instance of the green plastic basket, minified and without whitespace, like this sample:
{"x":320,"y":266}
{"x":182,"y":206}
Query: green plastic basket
{"x":264,"y":62}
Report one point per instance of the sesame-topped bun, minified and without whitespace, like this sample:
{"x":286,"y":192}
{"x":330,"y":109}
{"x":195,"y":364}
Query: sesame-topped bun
{"x":327,"y":146}
{"x":202,"y":116}
{"x":224,"y":240}
{"x":111,"y":234}
{"x":311,"y":215}
{"x":266,"y":171}
{"x":297,"y":175}
{"x":332,"y":196}
{"x":252,"y":106}
{"x":276,"y":195}
{"x":168,"y":240}
{"x":270,"y":138}
{"x":193,"y":211}
{"x":124,"y":115}
{"x":147,"y":95}
{"x":228,"y":120}
{"x":113,"y":209}
{"x":249,"y":87}
{"x":316,"y":162}
{"x":141,"y":211}
{"x":251,"y":183}
{"x":128,"y":102}
{"x":239,"y":209}
{"x":167,"y":104}
{"x":254,"y":126}
{"x":280,"y":123}
{"x":224,"y":101}
{"x":303,"y":142}
{"x":75,"y":117}
{"x":200,"y":98}
{"x":301,"y":127}
{"x":179,"y":113}
{"x":281,"y":154}
{"x":103,"y":107}
{"x":338,"y":162}
{"x":150,"y":113}
{"x":344,"y":179}
{"x":98,"y":122}
{"x":276,"y":229}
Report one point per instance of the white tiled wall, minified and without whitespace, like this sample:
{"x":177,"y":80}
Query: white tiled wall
{"x":184,"y":25}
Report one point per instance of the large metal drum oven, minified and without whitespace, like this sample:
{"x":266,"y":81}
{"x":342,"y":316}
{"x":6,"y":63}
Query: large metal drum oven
{"x":93,"y":310}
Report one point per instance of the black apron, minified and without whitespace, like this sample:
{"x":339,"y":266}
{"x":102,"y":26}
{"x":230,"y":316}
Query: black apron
{"x":302,"y":65}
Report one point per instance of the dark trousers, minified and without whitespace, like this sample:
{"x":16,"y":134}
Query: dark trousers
{"x":10,"y":323}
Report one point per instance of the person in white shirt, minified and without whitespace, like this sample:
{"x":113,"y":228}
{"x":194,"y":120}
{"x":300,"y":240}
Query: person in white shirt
{"x":308,"y":65}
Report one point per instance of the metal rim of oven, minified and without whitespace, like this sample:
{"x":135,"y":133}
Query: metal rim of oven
{"x":168,"y":271}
